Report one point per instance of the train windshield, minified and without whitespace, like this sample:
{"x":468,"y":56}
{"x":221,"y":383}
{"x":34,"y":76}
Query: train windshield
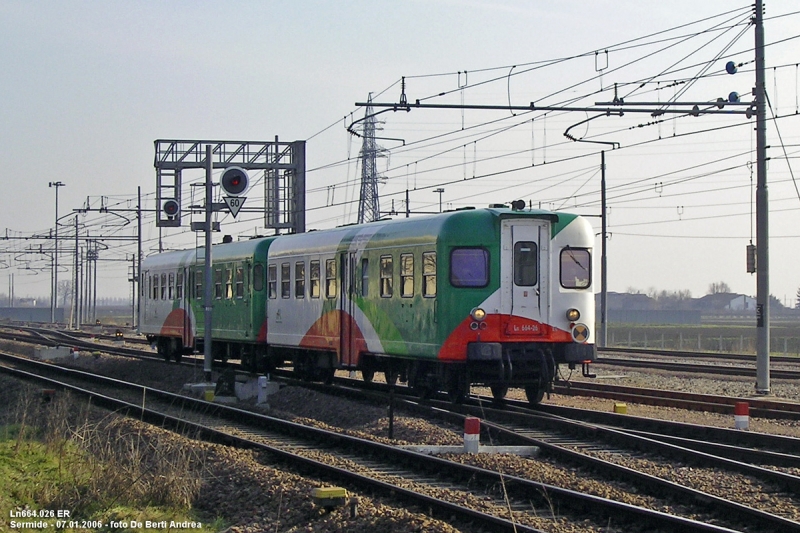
{"x":469,"y":267}
{"x":576,"y":268}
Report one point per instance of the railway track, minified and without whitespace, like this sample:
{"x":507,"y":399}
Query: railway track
{"x":55,"y":337}
{"x":715,"y":369}
{"x":761,"y":408}
{"x":502,"y":502}
{"x":764,"y":408}
{"x":606,"y":446}
{"x":713,"y":356}
{"x":750,"y":444}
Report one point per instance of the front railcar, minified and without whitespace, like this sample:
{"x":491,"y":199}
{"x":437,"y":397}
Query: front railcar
{"x":517,"y":298}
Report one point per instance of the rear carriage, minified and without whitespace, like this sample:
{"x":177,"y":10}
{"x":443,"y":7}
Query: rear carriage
{"x":171,"y":312}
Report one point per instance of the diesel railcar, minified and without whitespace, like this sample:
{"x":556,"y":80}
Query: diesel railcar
{"x":171,"y":312}
{"x":496,"y":297}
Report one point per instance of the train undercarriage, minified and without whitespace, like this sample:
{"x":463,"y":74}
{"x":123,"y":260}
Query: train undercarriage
{"x":529,"y":366}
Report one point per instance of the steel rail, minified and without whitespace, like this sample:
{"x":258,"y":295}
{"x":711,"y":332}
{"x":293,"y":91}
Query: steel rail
{"x":519,"y":489}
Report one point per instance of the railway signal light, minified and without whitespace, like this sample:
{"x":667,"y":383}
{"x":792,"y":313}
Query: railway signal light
{"x":234,"y":181}
{"x":171,"y":208}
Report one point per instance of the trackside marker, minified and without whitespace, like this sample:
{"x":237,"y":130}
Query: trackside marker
{"x":472,"y":437}
{"x":741,"y":415}
{"x":472,"y":434}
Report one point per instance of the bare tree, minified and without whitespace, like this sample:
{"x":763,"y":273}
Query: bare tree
{"x":719,"y":288}
{"x":64,"y":292}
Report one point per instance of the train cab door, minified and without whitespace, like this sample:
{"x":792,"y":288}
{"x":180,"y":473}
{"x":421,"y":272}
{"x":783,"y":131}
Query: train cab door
{"x":525,"y":275}
{"x":348,"y":350}
{"x":183,"y":289}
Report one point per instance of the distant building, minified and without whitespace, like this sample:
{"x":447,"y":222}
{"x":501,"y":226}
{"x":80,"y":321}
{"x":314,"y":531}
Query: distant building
{"x":628,"y":301}
{"x":742,"y":303}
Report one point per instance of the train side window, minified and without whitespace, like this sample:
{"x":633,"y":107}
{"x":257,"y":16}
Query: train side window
{"x":576,"y":268}
{"x":387,"y":276}
{"x":330,"y":278}
{"x":171,"y":287}
{"x":144,"y":285}
{"x":239,"y":282}
{"x":429,"y":274}
{"x":228,"y":283}
{"x":406,"y":275}
{"x":313,"y":279}
{"x":218,"y":283}
{"x":526,"y":268}
{"x":258,"y":277}
{"x":364,"y":276}
{"x":179,"y":286}
{"x":272,"y":281}
{"x":469,"y":267}
{"x":300,"y":279}
{"x":198,"y":283}
{"x":154,"y":287}
{"x":163,"y":286}
{"x":286,"y":287}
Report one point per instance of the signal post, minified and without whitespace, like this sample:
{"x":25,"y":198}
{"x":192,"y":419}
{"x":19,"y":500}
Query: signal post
{"x":284,"y":199}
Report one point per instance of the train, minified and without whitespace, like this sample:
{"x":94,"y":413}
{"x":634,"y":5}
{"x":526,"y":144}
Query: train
{"x":499,"y":297}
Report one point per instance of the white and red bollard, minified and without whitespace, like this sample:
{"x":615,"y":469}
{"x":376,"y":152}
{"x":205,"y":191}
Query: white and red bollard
{"x":741,"y":415}
{"x":472,"y":434}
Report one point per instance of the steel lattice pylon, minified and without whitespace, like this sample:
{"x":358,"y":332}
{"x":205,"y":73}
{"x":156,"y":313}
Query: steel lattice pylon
{"x":368,"y":201}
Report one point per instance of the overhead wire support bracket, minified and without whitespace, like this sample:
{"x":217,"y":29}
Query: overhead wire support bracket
{"x":352,"y":131}
{"x":603,"y":331}
{"x":533,"y":107}
{"x":613,"y":144}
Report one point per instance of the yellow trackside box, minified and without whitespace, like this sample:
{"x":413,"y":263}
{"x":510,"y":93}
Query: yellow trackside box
{"x":329,"y":497}
{"x":329,"y":492}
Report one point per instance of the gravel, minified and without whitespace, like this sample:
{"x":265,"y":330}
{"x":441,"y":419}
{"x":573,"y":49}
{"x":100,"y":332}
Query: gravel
{"x":739,"y":387}
{"x":254,"y":494}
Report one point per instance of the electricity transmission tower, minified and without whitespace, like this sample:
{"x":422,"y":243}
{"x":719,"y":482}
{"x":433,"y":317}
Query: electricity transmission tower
{"x":368,"y":201}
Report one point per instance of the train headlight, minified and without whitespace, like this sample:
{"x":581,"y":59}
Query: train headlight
{"x":478,"y":314}
{"x":573,"y":315}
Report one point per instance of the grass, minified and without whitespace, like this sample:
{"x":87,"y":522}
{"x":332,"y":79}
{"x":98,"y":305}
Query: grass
{"x":729,"y":338}
{"x":59,"y":456}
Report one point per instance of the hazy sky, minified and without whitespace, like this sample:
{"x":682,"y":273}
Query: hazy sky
{"x":87,"y":86}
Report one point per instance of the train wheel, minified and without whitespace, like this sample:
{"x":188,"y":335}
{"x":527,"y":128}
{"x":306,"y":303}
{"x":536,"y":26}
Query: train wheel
{"x":457,"y":386}
{"x":535,"y":394}
{"x":456,"y":392}
{"x":499,"y":392}
{"x":422,"y":380}
{"x":163,"y":347}
{"x":178,"y":355}
{"x":391,"y":376}
{"x":367,"y":366}
{"x":423,"y":391}
{"x":327,"y":375}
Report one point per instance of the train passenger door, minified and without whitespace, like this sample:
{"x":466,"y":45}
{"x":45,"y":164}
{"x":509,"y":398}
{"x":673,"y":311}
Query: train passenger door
{"x":144,"y":297}
{"x":525,"y":274}
{"x":184,"y":301}
{"x":348,"y":350}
